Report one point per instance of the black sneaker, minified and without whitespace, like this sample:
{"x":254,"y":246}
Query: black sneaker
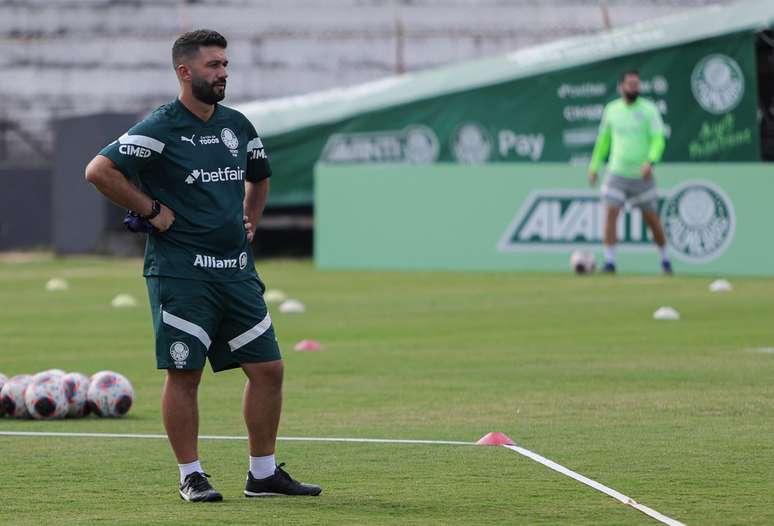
{"x":609,"y":268}
{"x":666,"y":266}
{"x":196,"y":488}
{"x":281,"y":483}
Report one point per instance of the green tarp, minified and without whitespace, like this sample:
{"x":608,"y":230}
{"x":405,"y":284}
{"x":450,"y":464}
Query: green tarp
{"x":540,"y":104}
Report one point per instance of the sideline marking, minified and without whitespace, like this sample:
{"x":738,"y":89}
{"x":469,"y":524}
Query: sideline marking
{"x":227,"y":437}
{"x":620,"y":497}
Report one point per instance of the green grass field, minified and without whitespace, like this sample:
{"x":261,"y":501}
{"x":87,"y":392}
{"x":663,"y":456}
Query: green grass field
{"x":677,"y":415}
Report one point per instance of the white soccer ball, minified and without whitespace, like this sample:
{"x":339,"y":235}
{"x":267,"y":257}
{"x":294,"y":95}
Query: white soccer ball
{"x":46,"y":398}
{"x":76,"y":389}
{"x":109,"y":394}
{"x":3,"y":380}
{"x":582,"y":262}
{"x":47,"y":375}
{"x":12,"y":396}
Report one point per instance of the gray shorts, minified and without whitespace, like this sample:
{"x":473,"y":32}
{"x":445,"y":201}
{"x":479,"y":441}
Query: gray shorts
{"x":617,"y":190}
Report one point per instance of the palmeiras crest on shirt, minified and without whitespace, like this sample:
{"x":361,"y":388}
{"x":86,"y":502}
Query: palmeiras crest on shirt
{"x":230,"y":140}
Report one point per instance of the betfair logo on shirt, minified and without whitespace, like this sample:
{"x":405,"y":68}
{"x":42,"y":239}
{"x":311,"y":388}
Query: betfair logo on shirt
{"x":134,"y":151}
{"x":216,"y":176}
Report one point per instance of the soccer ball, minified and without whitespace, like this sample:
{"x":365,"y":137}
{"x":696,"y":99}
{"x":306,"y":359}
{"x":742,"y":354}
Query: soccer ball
{"x":12,"y":396}
{"x":109,"y":394}
{"x":582,"y":262}
{"x":46,"y":398}
{"x":76,"y":389}
{"x":47,"y":376}
{"x":3,"y":380}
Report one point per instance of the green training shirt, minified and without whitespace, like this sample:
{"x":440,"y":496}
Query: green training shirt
{"x":632,"y":134}
{"x":198,"y":169}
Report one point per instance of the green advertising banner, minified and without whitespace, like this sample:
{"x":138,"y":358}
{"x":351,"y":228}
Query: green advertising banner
{"x":531,"y":217}
{"x":706,"y":91}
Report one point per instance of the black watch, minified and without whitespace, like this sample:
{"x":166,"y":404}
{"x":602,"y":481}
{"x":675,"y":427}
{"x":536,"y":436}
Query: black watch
{"x":156,"y":210}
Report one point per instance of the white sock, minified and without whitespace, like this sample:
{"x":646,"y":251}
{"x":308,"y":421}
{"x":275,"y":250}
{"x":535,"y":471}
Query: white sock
{"x":262,"y":467}
{"x":187,"y":469}
{"x":610,"y":254}
{"x":663,"y":252}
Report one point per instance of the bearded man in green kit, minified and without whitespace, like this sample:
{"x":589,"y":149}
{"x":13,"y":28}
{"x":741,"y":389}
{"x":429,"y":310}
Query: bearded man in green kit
{"x":202,"y":179}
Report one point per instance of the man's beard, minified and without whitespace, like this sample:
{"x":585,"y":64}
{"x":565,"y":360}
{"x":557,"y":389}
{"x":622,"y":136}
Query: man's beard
{"x":205,"y":92}
{"x":631,"y":97}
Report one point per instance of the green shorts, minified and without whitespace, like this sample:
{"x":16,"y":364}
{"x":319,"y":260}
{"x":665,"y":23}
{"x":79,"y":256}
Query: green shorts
{"x":227,"y":322}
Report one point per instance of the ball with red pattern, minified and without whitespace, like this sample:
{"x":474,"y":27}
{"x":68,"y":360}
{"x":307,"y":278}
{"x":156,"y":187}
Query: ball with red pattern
{"x":76,"y":389}
{"x":12,"y":396}
{"x":46,"y":398}
{"x":3,"y":380}
{"x":582,"y":262}
{"x":47,"y":376}
{"x":110,"y":394}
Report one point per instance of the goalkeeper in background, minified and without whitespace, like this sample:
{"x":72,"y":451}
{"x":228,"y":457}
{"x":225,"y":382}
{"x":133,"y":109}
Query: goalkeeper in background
{"x":632,"y":133}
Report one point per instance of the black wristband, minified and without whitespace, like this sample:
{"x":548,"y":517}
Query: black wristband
{"x":156,"y":210}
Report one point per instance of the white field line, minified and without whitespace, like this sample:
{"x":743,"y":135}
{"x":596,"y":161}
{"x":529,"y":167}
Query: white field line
{"x":226,"y":437}
{"x":597,"y":486}
{"x":525,"y":452}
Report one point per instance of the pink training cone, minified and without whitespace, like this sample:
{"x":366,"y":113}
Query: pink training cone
{"x":308,"y":345}
{"x":495,"y":438}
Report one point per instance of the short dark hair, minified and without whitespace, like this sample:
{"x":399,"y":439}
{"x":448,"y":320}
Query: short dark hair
{"x":627,"y":73}
{"x":188,"y":44}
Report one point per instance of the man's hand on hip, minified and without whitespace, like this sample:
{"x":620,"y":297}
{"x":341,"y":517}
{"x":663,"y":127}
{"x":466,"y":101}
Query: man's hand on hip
{"x":248,"y":229}
{"x":164,"y":220}
{"x":592,"y":178}
{"x":646,"y":171}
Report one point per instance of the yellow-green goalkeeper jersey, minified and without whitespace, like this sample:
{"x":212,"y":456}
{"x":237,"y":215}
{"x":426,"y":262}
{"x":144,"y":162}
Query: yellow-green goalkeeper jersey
{"x":198,"y":169}
{"x":632,"y":134}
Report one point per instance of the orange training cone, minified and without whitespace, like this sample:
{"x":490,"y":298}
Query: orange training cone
{"x":495,"y":438}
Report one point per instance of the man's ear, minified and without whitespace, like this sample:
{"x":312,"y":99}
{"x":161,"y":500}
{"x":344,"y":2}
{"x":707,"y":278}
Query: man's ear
{"x":183,"y":72}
